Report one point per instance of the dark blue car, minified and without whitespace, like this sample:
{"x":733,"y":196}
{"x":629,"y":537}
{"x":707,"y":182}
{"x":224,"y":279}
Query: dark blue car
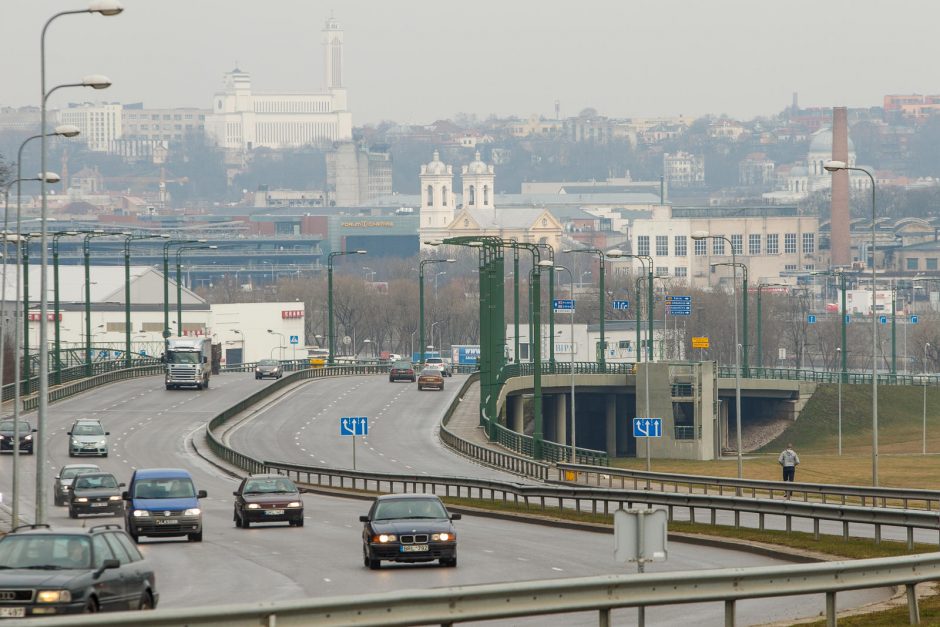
{"x":162,"y":502}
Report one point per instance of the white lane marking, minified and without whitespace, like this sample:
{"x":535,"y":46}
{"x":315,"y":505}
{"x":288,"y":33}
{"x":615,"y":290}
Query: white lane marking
{"x":560,"y":570}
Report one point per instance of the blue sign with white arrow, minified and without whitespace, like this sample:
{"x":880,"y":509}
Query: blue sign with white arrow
{"x":647,"y":427}
{"x":883,"y":319}
{"x":354,"y":425}
{"x":621,"y":304}
{"x":914,"y":319}
{"x":811,"y":318}
{"x":563,"y":304}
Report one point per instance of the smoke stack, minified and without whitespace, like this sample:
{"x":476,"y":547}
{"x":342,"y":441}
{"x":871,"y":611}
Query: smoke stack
{"x":840,"y":243}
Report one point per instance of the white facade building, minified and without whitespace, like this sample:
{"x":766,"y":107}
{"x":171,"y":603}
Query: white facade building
{"x":242,"y":120}
{"x":100,"y":124}
{"x":243,"y":330}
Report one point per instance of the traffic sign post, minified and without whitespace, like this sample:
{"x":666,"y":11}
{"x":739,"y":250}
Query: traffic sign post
{"x":647,"y":427}
{"x":679,"y":305}
{"x":353,"y":426}
{"x":640,"y":536}
{"x":294,"y":339}
{"x":563,"y":305}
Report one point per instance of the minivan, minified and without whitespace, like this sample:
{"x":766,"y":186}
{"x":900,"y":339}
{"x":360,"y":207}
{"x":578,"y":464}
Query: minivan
{"x":162,"y":502}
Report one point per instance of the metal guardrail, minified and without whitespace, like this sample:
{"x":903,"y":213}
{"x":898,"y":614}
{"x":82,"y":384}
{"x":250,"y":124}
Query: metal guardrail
{"x":904,"y":498}
{"x":601,"y":594}
{"x":71,"y":389}
{"x":832,"y":376}
{"x":72,"y":373}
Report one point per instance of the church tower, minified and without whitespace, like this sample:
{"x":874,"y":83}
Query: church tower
{"x":437,"y":198}
{"x":478,"y":179}
{"x":333,"y":54}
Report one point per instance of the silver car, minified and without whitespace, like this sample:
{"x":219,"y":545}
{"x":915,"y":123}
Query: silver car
{"x":269,"y":368}
{"x":63,"y":481}
{"x":88,"y":437}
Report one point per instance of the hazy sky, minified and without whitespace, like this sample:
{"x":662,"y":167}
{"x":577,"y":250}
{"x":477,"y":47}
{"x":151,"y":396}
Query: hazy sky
{"x":420,"y":60}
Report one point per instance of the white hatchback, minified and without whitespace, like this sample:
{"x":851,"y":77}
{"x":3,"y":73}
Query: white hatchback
{"x":438,"y":363}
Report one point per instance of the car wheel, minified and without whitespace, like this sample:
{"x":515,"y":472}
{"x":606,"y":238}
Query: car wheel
{"x":169,"y":387}
{"x":72,"y":513}
{"x":104,"y":454}
{"x":146,"y":601}
{"x":373,"y":564}
{"x":198,"y":386}
{"x":132,"y":533}
{"x":91,"y":606}
{"x":238,"y":521}
{"x":257,"y":377}
{"x":245,"y":523}
{"x":450,"y":563}
{"x":195,"y":537}
{"x":57,"y":501}
{"x":206,"y":384}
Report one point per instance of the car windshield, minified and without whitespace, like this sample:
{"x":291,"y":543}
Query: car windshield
{"x":402,"y":365}
{"x":93,"y":482}
{"x":430,"y":372}
{"x":7,"y":425}
{"x":88,"y":429}
{"x":176,"y":488}
{"x":176,"y":357}
{"x":69,"y":473}
{"x":267,"y":362}
{"x":434,"y":360}
{"x":268,"y":486}
{"x":45,"y":551}
{"x":409,"y":508}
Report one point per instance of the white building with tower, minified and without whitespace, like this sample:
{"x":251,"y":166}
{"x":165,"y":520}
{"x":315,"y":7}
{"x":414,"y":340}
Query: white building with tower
{"x":243,"y":120}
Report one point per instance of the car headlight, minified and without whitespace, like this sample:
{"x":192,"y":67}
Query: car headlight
{"x":102,"y":442}
{"x":53,"y":596}
{"x":254,"y":506}
{"x":295,"y":504}
{"x":81,"y":499}
{"x":443,"y":537}
{"x":141,"y":513}
{"x":29,"y":437}
{"x":192,"y":511}
{"x":2,"y":437}
{"x":386,"y":537}
{"x":64,"y":488}
{"x":257,"y":369}
{"x":114,"y":497}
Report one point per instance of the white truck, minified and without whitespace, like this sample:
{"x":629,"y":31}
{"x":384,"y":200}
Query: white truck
{"x":188,"y":362}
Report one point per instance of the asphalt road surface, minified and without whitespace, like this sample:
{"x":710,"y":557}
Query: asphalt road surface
{"x":150,"y":427}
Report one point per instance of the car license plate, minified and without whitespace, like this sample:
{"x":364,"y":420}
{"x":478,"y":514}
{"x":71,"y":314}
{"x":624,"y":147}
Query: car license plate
{"x":12,"y":612}
{"x":274,"y":512}
{"x":414,"y":548}
{"x":99,"y":504}
{"x":167,"y":521}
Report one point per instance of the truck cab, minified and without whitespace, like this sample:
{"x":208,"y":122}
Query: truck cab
{"x":187,"y":362}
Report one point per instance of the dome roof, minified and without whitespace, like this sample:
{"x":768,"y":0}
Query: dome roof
{"x":477,"y":166}
{"x":436,"y":166}
{"x":822,"y":142}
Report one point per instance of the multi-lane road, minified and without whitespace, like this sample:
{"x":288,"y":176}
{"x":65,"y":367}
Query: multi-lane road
{"x":151,"y":427}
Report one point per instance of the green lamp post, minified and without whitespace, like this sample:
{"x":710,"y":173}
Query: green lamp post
{"x":329,"y":279}
{"x":421,"y":265}
{"x":179,"y":283}
{"x":127,"y":291}
{"x":57,"y":358}
{"x":166,"y":280}
{"x":86,"y":255}
{"x":601,"y":354}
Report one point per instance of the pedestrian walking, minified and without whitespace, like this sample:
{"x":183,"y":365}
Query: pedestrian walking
{"x":789,"y":460}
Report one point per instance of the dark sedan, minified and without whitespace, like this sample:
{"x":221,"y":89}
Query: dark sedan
{"x":269,"y":368}
{"x":401,"y":371}
{"x":96,"y":493}
{"x":63,"y":481}
{"x":268,"y":498}
{"x":47,"y":572}
{"x":24,"y":431}
{"x":408,"y":528}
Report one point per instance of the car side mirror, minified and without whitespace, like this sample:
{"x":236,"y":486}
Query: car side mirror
{"x":455,"y":516}
{"x":105,"y":565}
{"x":235,"y":493}
{"x":121,"y":485}
{"x":68,"y":433}
{"x":107,"y":433}
{"x":363,"y":519}
{"x":126,"y":495}
{"x":35,"y":430}
{"x":201,"y":494}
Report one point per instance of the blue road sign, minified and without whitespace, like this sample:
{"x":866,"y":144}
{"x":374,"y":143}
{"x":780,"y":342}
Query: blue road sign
{"x":914,"y":319}
{"x":883,"y":319}
{"x":621,"y":304}
{"x":678,"y":299}
{"x":143,"y":353}
{"x":848,"y":318}
{"x":811,"y":318}
{"x":647,"y":427}
{"x":354,"y":425}
{"x":563,"y":304}
{"x":294,"y":339}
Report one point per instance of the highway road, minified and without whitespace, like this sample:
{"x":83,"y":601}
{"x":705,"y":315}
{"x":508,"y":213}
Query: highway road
{"x":150,"y":427}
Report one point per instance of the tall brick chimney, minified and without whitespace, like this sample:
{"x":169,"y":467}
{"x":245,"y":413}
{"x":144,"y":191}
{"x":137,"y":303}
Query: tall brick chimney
{"x":840,"y":243}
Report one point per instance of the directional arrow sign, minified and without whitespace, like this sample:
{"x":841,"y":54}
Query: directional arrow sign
{"x":621,"y":304}
{"x":811,"y":318}
{"x":563,"y":304}
{"x":354,"y":425}
{"x":647,"y":427}
{"x":883,"y":319}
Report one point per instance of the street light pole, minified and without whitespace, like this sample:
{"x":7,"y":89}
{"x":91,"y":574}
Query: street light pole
{"x":166,"y":281}
{"x":602,"y":356}
{"x":836,"y":166}
{"x":574,"y":422}
{"x":86,"y":254}
{"x":839,"y":350}
{"x":57,"y":359}
{"x":924,"y":448}
{"x":329,"y":289}
{"x":127,"y":290}
{"x":280,"y":342}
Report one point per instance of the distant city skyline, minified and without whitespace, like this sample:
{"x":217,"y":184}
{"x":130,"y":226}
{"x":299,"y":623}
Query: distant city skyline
{"x":417,"y":61}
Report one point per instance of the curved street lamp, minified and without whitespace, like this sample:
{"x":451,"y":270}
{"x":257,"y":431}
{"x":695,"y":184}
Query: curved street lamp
{"x":838,"y":166}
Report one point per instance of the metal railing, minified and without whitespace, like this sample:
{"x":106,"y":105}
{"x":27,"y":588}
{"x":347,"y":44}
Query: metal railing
{"x":72,"y":373}
{"x":601,"y":594}
{"x":71,"y":389}
{"x":904,"y":498}
{"x":832,"y":376}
